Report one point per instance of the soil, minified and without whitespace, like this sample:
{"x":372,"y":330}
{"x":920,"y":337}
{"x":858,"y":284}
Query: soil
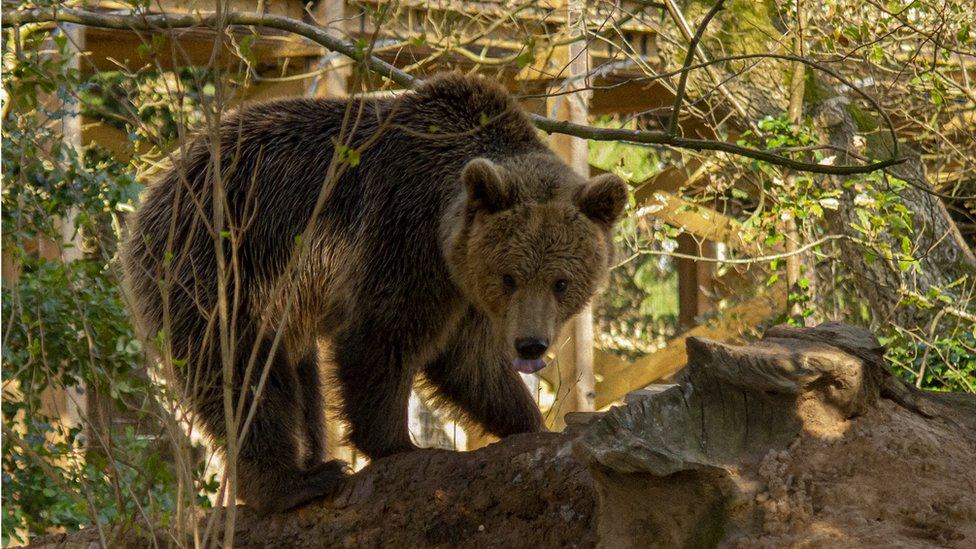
{"x":526,"y":492}
{"x":890,"y":478}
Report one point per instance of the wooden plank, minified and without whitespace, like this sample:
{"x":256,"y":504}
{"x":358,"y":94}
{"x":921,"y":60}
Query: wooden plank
{"x":114,"y":140}
{"x":687,"y":282}
{"x":700,"y":221}
{"x":705,"y":273}
{"x":334,"y":83}
{"x":110,"y":49}
{"x":623,"y":93}
{"x":560,"y":374}
{"x":618,"y":95}
{"x":269,"y":89}
{"x":672,"y":358}
{"x":547,"y":12}
{"x":287,"y":8}
{"x":606,"y":365}
{"x":672,"y":179}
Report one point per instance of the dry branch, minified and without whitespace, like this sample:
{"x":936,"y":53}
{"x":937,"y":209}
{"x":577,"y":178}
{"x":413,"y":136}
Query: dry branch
{"x":219,"y":21}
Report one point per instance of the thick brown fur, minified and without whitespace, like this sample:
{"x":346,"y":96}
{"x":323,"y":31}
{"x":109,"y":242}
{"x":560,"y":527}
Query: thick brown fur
{"x":431,"y":255}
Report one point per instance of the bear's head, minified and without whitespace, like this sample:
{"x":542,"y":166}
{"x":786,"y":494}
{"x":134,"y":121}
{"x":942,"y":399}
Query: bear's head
{"x":534,"y":246}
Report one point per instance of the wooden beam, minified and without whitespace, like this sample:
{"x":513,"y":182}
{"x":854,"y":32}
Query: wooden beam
{"x":660,"y":194}
{"x":287,"y":8}
{"x":694,"y":279}
{"x":560,"y":374}
{"x":112,"y":139}
{"x":607,"y":365}
{"x":672,"y":179}
{"x":111,"y":50}
{"x":332,"y":84}
{"x":700,"y":221}
{"x":672,"y":358}
{"x":270,"y":89}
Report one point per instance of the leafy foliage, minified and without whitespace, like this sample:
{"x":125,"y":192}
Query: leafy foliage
{"x":66,"y":323}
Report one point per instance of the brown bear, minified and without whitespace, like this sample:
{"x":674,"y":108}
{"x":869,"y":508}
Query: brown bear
{"x":432,"y":233}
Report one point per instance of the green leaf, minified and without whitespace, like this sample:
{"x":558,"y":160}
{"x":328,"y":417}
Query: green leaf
{"x":524,"y":59}
{"x":245,"y":48}
{"x":906,"y":245}
{"x":829,"y":203}
{"x":877,"y":54}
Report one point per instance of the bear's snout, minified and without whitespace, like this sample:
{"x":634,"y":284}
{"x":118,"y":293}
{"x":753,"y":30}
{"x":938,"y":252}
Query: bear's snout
{"x":531,"y":348}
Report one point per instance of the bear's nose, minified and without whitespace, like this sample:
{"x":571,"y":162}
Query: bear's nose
{"x":531,"y":348}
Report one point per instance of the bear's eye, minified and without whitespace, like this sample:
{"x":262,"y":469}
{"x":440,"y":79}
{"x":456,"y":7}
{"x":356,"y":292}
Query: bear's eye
{"x":559,"y":287}
{"x":508,"y":282}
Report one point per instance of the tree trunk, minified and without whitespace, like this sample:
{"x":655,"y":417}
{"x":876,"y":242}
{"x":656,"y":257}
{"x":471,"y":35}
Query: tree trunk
{"x":943,"y":258}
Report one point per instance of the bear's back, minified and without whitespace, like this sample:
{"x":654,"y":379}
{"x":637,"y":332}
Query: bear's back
{"x":401,"y":160}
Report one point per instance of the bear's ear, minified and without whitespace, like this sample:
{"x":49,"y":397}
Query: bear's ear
{"x":603,"y":199}
{"x":484,"y":186}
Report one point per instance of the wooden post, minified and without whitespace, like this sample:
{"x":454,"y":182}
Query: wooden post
{"x":574,"y":348}
{"x":795,"y":112}
{"x":694,"y":280}
{"x":334,"y":82}
{"x":69,"y":404}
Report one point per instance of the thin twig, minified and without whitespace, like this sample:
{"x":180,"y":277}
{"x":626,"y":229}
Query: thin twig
{"x":679,"y":95}
{"x":739,"y":261}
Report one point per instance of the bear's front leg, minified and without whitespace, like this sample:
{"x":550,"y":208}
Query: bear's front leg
{"x":375,"y":384}
{"x":477,"y":376}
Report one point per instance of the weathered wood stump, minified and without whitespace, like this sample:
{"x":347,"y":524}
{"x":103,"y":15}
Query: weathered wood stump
{"x":804,"y":437}
{"x":801,"y":438}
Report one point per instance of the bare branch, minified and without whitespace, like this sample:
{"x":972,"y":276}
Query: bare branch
{"x":151,"y":22}
{"x":679,"y":95}
{"x":144,"y":22}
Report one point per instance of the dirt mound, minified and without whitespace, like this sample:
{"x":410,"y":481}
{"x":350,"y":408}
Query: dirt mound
{"x":528,"y":491}
{"x":801,"y":439}
{"x":892,"y":478}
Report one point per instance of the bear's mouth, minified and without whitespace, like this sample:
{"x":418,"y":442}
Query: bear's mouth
{"x":528,"y":366}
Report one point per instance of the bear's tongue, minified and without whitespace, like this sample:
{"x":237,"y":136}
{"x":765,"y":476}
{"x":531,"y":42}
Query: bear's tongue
{"x":528,"y":366}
